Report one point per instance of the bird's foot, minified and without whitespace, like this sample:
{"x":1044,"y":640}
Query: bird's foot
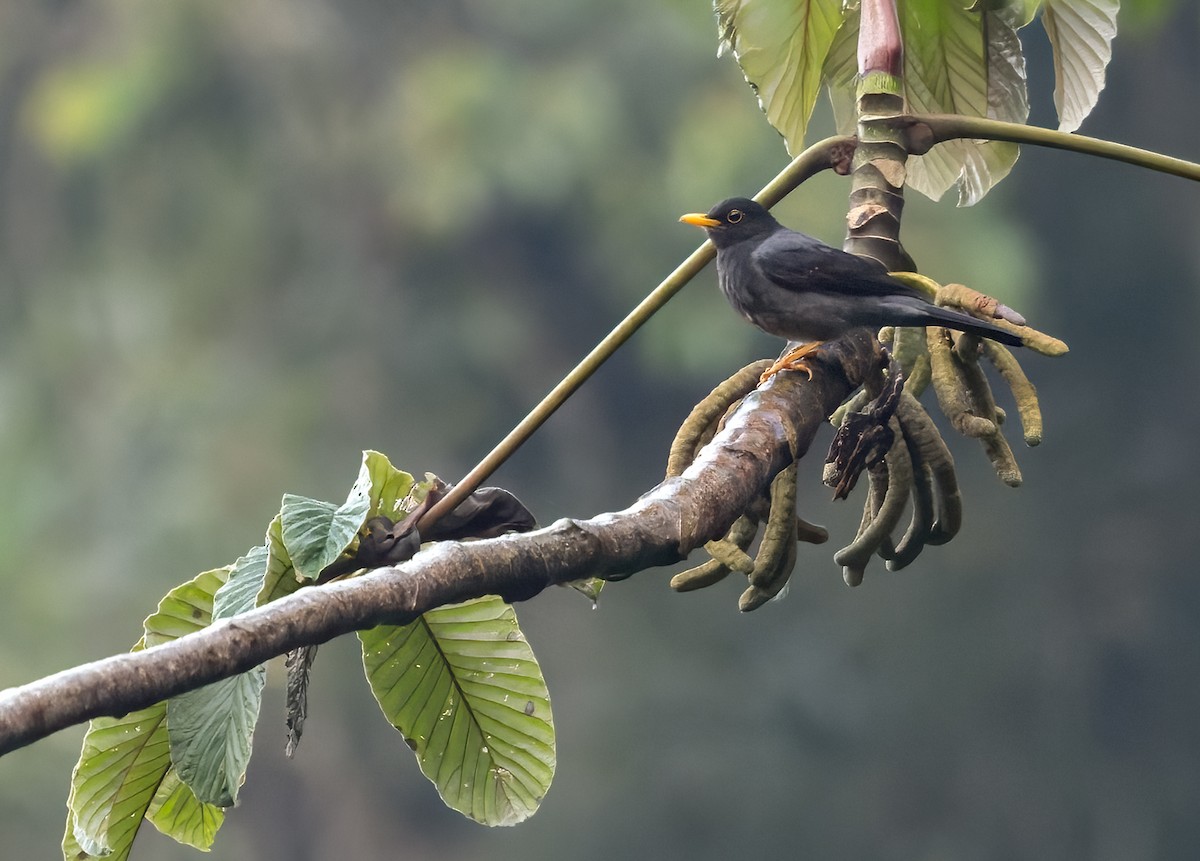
{"x":793,"y":360}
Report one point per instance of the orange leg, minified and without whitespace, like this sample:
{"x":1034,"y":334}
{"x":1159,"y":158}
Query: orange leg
{"x":793,"y":360}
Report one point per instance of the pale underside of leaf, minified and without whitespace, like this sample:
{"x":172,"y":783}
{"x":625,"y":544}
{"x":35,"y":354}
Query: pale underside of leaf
{"x":387,"y":485}
{"x":119,"y":771}
{"x":125,"y":762}
{"x":1081,"y":34}
{"x":781,"y":48}
{"x":176,"y":812}
{"x":957,"y":60}
{"x":463,"y":687}
{"x":946,"y":71}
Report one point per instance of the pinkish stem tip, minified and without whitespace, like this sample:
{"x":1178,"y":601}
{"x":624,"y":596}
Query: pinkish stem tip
{"x":880,"y":47}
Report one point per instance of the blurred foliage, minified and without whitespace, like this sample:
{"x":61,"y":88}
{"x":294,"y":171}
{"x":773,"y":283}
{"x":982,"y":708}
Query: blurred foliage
{"x":241,"y":242}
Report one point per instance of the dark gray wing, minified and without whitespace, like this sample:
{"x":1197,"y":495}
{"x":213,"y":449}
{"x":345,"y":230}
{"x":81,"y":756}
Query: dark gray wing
{"x":799,"y":262}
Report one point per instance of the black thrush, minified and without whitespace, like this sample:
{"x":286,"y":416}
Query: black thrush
{"x":797,"y":287}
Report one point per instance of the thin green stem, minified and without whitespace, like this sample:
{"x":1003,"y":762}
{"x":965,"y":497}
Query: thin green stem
{"x":945,"y":127}
{"x":825,"y":154}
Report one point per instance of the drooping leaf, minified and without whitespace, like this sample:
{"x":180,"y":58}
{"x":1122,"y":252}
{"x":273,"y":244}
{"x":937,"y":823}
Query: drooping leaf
{"x":176,"y":812}
{"x":957,"y":60}
{"x":1081,"y":34}
{"x":961,"y":61}
{"x":486,"y":513}
{"x":464,"y":689}
{"x":299,"y":667}
{"x":125,"y":761}
{"x":211,"y":729}
{"x":386,"y":491}
{"x":1007,"y":93}
{"x":781,"y":48}
{"x":590,"y":588}
{"x":121,"y":766}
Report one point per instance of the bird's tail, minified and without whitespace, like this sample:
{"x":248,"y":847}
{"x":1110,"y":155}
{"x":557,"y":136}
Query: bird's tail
{"x":952,"y":319}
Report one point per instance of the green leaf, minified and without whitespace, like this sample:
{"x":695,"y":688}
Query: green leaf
{"x":185,"y":609}
{"x":315,"y":532}
{"x":388,"y":486}
{"x":279,"y":578}
{"x":463,"y":687}
{"x":590,"y":588}
{"x":126,"y":760}
{"x":958,"y":60}
{"x":944,"y":72}
{"x":120,"y":768}
{"x":1081,"y":34}
{"x":240,"y":592}
{"x":781,"y":48}
{"x":962,"y":61}
{"x":211,"y":729}
{"x":177,"y":813}
{"x":841,"y":74}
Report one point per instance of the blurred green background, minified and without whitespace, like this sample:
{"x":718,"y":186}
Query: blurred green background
{"x":240,"y":242}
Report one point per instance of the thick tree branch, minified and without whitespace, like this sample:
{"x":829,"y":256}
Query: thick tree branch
{"x":772,"y":427}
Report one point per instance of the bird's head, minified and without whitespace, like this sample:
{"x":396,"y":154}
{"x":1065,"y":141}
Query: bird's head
{"x":734,"y":220}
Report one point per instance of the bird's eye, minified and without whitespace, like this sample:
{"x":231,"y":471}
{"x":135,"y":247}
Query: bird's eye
{"x":734,"y":216}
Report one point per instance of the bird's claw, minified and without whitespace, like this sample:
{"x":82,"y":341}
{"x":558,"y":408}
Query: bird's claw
{"x":793,"y":360}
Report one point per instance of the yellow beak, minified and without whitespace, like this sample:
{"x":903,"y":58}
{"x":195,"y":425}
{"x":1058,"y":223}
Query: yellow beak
{"x":699,"y":219}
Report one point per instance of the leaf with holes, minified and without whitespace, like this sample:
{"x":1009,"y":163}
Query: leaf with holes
{"x":464,"y":689}
{"x":386,"y":486}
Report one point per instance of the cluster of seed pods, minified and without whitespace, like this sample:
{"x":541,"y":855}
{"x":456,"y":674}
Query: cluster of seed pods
{"x":885,"y":432}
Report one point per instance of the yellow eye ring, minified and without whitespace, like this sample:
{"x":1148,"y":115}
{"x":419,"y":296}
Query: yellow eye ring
{"x":734,"y":216}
